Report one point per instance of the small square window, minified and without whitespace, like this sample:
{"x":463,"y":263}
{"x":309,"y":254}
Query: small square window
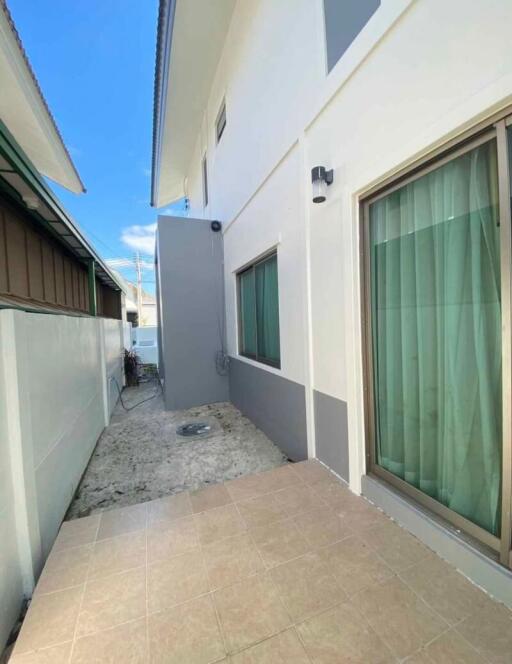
{"x":343,"y":22}
{"x":204,"y":168}
{"x":220,"y":123}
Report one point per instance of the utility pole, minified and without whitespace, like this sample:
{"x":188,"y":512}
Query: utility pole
{"x":138,"y":269}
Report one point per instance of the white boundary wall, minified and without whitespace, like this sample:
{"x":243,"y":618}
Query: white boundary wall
{"x":56,"y":397}
{"x":145,"y":343}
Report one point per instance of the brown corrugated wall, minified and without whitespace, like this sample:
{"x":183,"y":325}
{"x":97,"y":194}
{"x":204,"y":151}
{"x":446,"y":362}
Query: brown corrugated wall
{"x":36,"y":268}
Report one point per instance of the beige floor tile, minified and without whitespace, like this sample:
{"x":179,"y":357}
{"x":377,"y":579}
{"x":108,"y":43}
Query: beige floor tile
{"x":65,"y":568}
{"x":124,"y":644}
{"x":322,"y":526}
{"x":171,"y":538}
{"x":219,"y":523}
{"x":231,"y":559}
{"x":395,"y":545}
{"x":250,"y":611}
{"x":284,"y":648}
{"x":176,"y":580}
{"x":444,"y":589}
{"x":306,"y":586}
{"x":420,"y":657}
{"x":449,"y":648}
{"x":489,"y":630}
{"x":118,"y":554}
{"x":279,"y":542}
{"x":312,"y":471}
{"x":335,"y":494}
{"x":169,"y":507}
{"x":245,"y":487}
{"x":50,"y":620}
{"x":298,"y":499}
{"x":112,"y":600}
{"x":209,"y":498}
{"x":262,"y":510}
{"x":341,"y":635}
{"x":186,"y":634}
{"x":403,"y":621}
{"x":354,"y":565}
{"x":123,"y":520}
{"x":53,"y":655}
{"x":278,"y":478}
{"x":77,"y":532}
{"x":361,"y":516}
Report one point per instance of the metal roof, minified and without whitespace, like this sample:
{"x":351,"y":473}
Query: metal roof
{"x":21,"y":181}
{"x":10,"y":22}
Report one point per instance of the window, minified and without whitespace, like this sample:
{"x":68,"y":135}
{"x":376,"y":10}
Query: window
{"x":220,"y":123}
{"x":436,"y":261}
{"x":258,"y":307}
{"x":344,"y":20}
{"x":204,"y":169}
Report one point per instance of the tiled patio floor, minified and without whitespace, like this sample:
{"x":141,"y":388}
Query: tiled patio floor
{"x":282,"y":567}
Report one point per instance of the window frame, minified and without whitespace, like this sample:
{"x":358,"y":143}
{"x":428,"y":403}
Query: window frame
{"x":494,"y":128}
{"x":204,"y":178}
{"x":221,"y":116}
{"x":276,"y":364}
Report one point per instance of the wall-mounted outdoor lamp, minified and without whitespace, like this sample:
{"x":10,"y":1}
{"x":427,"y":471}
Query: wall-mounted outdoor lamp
{"x":320,"y":179}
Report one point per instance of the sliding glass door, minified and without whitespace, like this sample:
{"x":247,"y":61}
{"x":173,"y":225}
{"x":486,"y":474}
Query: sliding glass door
{"x":437,"y":419}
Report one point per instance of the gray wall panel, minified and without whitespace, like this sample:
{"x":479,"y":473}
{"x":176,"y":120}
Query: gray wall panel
{"x":331,"y":433}
{"x":191,"y":283}
{"x":276,"y":405}
{"x":445,"y":541}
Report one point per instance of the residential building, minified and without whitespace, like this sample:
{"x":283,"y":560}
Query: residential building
{"x":148,"y":306}
{"x":357,"y":155}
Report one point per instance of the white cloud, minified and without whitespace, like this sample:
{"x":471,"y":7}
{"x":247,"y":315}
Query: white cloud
{"x":147,"y":172}
{"x":140,"y":238}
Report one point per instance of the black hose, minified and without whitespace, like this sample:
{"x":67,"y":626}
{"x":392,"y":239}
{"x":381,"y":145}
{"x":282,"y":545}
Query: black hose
{"x":128,"y":408}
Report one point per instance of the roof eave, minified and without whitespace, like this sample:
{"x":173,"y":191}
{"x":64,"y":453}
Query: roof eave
{"x":166,"y":13}
{"x":50,"y":128}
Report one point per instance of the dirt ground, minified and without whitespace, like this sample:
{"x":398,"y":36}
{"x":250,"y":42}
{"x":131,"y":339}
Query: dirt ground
{"x":140,"y":457}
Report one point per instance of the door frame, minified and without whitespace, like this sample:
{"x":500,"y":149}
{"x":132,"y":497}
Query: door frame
{"x":494,"y":129}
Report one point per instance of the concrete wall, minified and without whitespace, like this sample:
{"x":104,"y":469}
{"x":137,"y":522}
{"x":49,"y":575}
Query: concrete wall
{"x":276,"y":405}
{"x":11,"y":576}
{"x":331,"y":433}
{"x":55,"y":401}
{"x":113,"y":344}
{"x":145,"y":343}
{"x":190,"y":284}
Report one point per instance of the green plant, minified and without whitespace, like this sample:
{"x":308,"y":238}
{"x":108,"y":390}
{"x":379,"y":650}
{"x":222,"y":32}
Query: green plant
{"x":131,"y":371}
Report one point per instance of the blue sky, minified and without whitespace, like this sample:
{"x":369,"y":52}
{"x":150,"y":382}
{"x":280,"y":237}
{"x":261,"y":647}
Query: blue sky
{"x":95,"y":63}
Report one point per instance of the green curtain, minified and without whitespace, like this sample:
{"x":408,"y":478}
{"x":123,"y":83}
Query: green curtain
{"x":436,"y":321}
{"x":248,"y":313}
{"x":267,"y":307}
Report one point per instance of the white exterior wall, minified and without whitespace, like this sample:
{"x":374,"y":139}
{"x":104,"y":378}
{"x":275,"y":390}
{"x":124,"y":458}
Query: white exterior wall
{"x":54,"y":372}
{"x":419,"y":73}
{"x":11,"y":577}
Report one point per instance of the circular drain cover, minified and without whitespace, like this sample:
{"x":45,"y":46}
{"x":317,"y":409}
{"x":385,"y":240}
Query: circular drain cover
{"x":193,"y":429}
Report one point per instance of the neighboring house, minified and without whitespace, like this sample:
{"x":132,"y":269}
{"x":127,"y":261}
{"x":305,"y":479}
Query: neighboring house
{"x":61,"y":334}
{"x":367,"y":313}
{"x":148,"y":306}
